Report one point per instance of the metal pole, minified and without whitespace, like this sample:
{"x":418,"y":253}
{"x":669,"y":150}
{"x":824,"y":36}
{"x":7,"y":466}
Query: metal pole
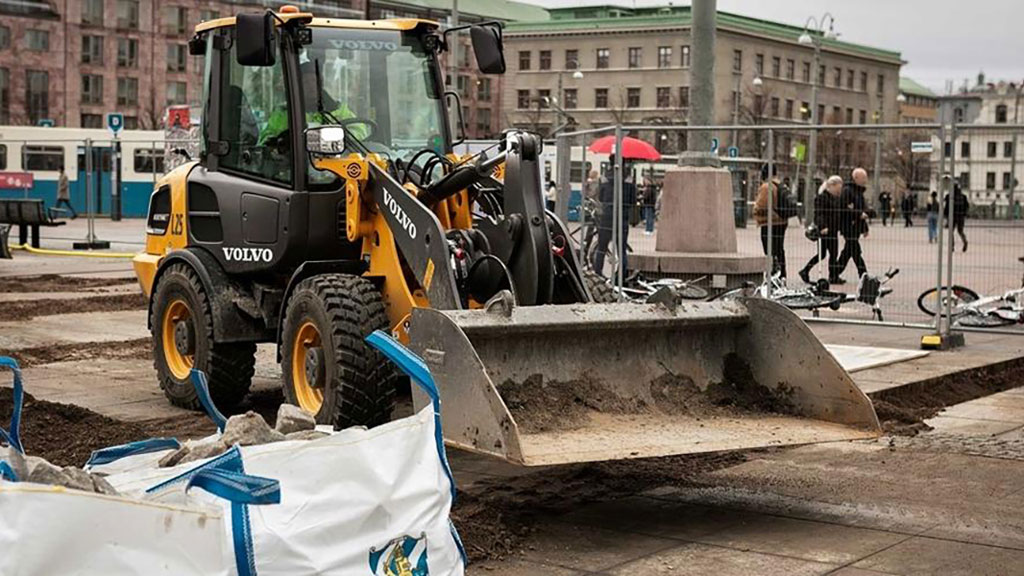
{"x":1013,"y":157}
{"x":812,"y":142}
{"x":617,"y":212}
{"x":876,"y":181}
{"x":584,"y":225}
{"x":453,"y":51}
{"x":563,"y":163}
{"x":770,"y":203}
{"x":943,"y":184}
{"x":91,"y":235}
{"x":947,"y":325}
{"x":736,"y":108}
{"x":702,"y":74}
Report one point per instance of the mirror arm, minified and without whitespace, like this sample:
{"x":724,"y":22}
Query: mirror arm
{"x":462,"y":121}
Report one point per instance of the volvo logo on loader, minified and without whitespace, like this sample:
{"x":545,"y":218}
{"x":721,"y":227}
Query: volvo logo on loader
{"x":403,"y":219}
{"x":248,"y":254}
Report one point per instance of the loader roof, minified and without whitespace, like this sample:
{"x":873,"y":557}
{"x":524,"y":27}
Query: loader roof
{"x":389,"y":24}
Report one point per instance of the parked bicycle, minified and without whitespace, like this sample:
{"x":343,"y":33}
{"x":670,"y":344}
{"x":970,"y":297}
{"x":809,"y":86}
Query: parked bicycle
{"x":968,"y":309}
{"x":639,"y":289}
{"x":775,"y":289}
{"x":870,"y":290}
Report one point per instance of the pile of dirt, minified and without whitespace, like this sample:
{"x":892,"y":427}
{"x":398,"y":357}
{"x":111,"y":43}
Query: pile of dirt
{"x":494,"y":517}
{"x":903,"y":410}
{"x":27,"y":309}
{"x":545,"y":406}
{"x":139,"y":349}
{"x":57,"y":283}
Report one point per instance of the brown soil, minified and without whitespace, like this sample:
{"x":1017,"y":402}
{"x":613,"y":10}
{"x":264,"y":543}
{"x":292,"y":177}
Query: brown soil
{"x":494,"y":517}
{"x":57,"y":283}
{"x":140,"y":349}
{"x":27,"y":309}
{"x":540,"y":406}
{"x":903,"y":410}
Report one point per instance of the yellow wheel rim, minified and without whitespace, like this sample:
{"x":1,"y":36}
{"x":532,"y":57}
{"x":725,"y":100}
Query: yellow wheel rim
{"x":180,"y":364}
{"x":309,"y":397}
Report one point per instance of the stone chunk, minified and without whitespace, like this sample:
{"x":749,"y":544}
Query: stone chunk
{"x":77,"y":479}
{"x":205,"y":448}
{"x":173,"y":458}
{"x":306,"y":435}
{"x":249,"y":429}
{"x":45,"y":473}
{"x":101,"y":486}
{"x":291,"y":418}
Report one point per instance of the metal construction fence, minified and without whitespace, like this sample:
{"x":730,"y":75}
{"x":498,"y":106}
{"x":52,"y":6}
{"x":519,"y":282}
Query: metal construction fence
{"x":911,"y":169}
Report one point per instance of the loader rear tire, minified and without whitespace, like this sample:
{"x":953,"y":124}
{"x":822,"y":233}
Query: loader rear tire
{"x":329,"y":369}
{"x":182,"y":327}
{"x":601,"y":291}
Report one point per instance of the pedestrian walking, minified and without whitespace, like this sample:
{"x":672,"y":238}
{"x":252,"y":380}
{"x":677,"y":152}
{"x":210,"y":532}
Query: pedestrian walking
{"x":592,"y":209}
{"x":885,"y":201}
{"x":550,"y":194}
{"x":932,"y":208}
{"x":827,"y":212}
{"x":960,"y":208}
{"x":607,"y":218}
{"x":650,"y":199}
{"x":854,"y":224}
{"x":768,"y":198}
{"x":63,"y":195}
{"x":907,"y":206}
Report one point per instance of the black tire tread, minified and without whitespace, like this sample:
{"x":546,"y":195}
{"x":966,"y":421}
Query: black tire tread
{"x":600,"y":290}
{"x":230,"y":367}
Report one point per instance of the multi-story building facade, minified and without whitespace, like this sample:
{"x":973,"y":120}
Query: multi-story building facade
{"x":918,"y":104}
{"x":986,"y":160}
{"x":635,"y":66}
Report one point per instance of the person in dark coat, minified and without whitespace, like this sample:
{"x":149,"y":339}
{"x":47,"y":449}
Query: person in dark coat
{"x":827,"y":211}
{"x":907,"y":206}
{"x":960,"y":208}
{"x":885,"y":201}
{"x":607,"y":217}
{"x":854,"y":224}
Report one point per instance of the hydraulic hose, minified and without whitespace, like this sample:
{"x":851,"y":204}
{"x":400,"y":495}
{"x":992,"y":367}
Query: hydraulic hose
{"x":48,"y":252}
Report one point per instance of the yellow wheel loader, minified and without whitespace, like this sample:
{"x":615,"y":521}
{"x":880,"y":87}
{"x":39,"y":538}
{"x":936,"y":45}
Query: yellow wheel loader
{"x":327,"y":203}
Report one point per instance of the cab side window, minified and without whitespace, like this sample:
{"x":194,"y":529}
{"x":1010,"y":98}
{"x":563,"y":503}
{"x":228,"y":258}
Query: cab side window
{"x":254,"y":120}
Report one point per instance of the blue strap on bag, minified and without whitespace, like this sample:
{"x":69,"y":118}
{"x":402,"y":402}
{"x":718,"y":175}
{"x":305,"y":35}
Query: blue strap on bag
{"x":7,"y":473}
{"x":12,"y":435}
{"x":202,"y":386}
{"x":114,"y":453}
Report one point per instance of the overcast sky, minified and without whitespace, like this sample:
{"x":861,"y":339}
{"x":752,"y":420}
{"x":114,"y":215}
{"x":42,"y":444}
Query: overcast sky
{"x":940,"y":39}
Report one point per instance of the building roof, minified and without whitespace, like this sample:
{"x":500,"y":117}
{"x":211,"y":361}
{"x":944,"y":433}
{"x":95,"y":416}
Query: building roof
{"x":604,"y":18}
{"x":909,"y":86}
{"x":506,"y":10}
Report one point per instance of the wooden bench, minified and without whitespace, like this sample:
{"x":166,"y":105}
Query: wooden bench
{"x":28,"y":214}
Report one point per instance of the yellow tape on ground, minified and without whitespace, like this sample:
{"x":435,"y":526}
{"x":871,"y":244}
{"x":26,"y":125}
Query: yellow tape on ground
{"x":87,"y":254}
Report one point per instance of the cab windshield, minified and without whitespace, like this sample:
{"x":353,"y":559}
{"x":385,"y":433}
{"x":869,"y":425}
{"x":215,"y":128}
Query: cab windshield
{"x":380,"y":84}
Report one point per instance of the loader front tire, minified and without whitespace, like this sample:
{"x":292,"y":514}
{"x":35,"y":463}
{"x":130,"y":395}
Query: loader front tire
{"x":600,"y":290}
{"x":181,"y":324}
{"x":329,"y":369}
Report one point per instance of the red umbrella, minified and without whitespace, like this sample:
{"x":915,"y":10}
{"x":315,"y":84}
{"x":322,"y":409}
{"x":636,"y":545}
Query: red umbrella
{"x":632,"y":148}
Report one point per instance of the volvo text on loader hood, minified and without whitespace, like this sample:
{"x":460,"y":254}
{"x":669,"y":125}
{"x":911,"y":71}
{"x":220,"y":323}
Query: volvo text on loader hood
{"x":327,"y":203}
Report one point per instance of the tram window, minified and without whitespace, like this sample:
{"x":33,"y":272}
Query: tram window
{"x":3,"y":157}
{"x":149,"y":160}
{"x":44,"y":158}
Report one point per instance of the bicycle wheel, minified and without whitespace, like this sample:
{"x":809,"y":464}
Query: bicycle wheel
{"x":806,"y":301}
{"x":727,"y":295}
{"x":692,"y":293}
{"x":981,"y":320}
{"x":931,"y":303}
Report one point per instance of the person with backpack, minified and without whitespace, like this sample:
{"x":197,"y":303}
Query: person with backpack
{"x":827,"y":211}
{"x":853,"y":224}
{"x":960,"y":208}
{"x":782,"y":209}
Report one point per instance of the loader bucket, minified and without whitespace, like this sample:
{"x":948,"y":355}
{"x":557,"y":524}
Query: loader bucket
{"x":559,"y":384}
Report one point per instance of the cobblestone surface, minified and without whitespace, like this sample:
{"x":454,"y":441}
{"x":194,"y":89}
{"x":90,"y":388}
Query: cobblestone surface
{"x":1002,"y":446}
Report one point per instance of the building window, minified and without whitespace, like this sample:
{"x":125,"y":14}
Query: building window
{"x":775,"y":106}
{"x":127,"y":52}
{"x":43,"y":158}
{"x":849,"y":115}
{"x":207,"y":15}
{"x":947,"y":148}
{"x":127,"y":14}
{"x":127,"y":91}
{"x":545,"y":59}
{"x":92,"y":50}
{"x":790,"y":69}
{"x":602,"y":58}
{"x":684,"y":51}
{"x":759,"y":64}
{"x":664,"y":97}
{"x":636,"y":56}
{"x":570,"y":99}
{"x":37,"y":40}
{"x":965,"y":149}
{"x":543,"y":98}
{"x":737,"y":60}
{"x":5,"y":37}
{"x":176,"y":57}
{"x":664,"y":56}
{"x":524,"y":59}
{"x":821,"y":114}
{"x":148,"y":160}
{"x":3,"y":156}
{"x":600,"y":97}
{"x":758,"y":110}
{"x":863,"y":117}
{"x":776,"y":67}
{"x":572,"y":59}
{"x":522,"y":99}
{"x":806,"y":74}
{"x":1001,"y":114}
{"x":92,"y":89}
{"x":131,"y":122}
{"x":483,"y":89}
{"x":37,"y":95}
{"x":91,"y":120}
{"x":1007,"y":149}
{"x":821,"y":75}
{"x":863,"y":81}
{"x":990,"y":180}
{"x":849,"y":79}
{"x":177,"y":93}
{"x":837,"y":114}
{"x":175,"y":20}
{"x":992,"y":149}
{"x":880,"y":88}
{"x":805,"y":110}
{"x":684,"y":97}
{"x":5,"y":97}
{"x":92,"y":12}
{"x":483,"y":122}
{"x":837,"y":77}
{"x":965,"y":180}
{"x":1006,"y":181}
{"x":632,"y":97}
{"x":958,"y":115}
{"x":462,"y":87}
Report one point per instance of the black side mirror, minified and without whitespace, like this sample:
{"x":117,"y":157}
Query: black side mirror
{"x":254,"y":35}
{"x":487,"y":46}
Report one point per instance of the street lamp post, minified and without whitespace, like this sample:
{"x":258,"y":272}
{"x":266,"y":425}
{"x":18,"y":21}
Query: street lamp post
{"x":817,"y":26}
{"x":1013,"y":155}
{"x":577,"y":75}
